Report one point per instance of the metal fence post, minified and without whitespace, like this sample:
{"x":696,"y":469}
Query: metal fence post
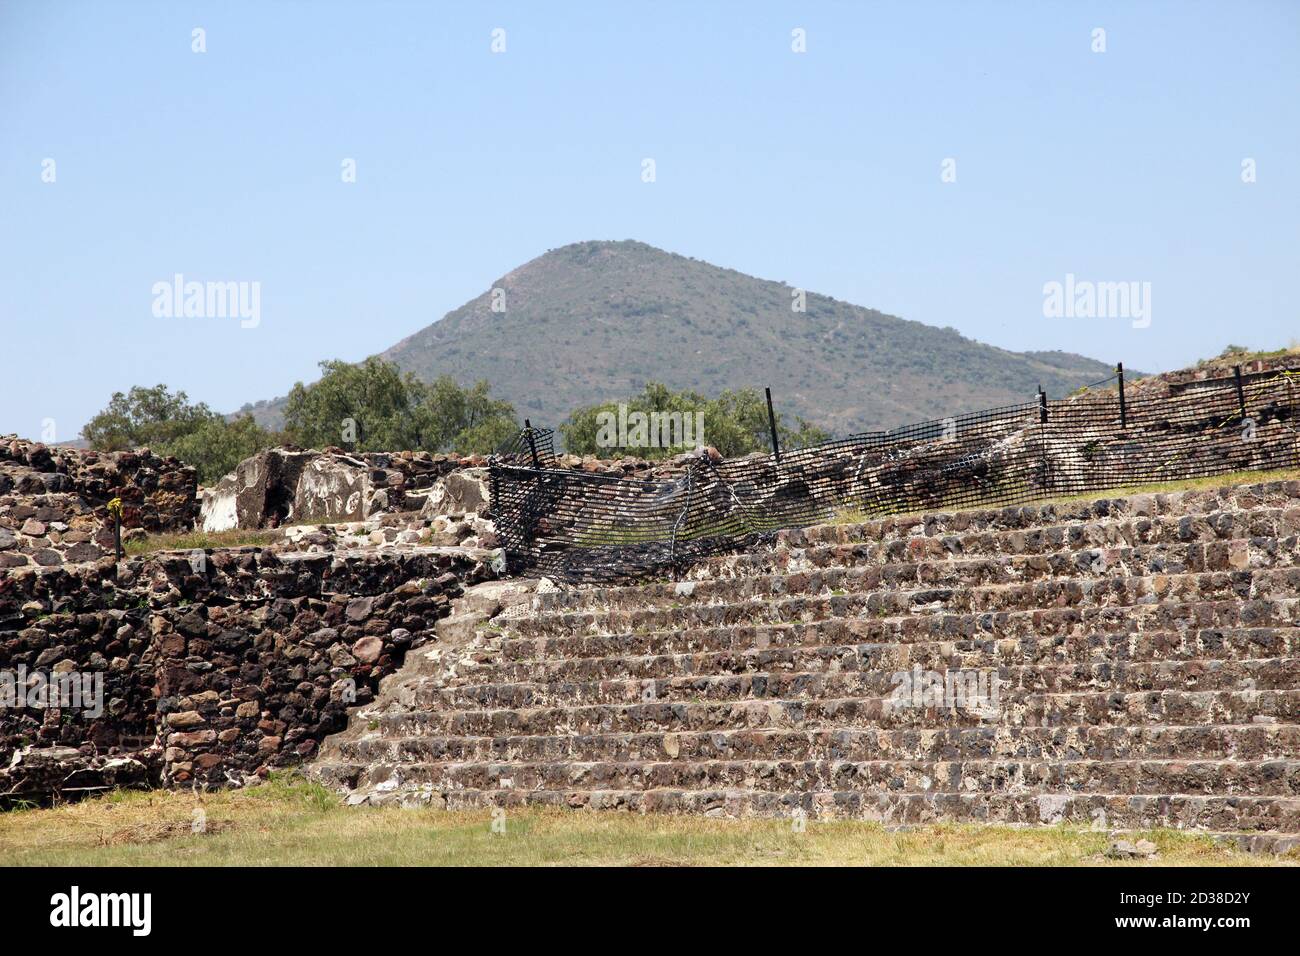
{"x":1042,"y":441}
{"x":532,"y":444}
{"x":1123,"y":408}
{"x":672,"y":544}
{"x":771,"y":423}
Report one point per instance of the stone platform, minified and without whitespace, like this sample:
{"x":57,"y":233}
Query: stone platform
{"x":1120,"y":663}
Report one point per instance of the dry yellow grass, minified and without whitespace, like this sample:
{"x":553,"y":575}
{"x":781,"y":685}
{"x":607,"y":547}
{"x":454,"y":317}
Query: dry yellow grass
{"x":289,"y":821}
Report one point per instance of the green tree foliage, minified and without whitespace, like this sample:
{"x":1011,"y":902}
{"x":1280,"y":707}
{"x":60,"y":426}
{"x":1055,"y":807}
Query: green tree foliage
{"x":463,"y":420}
{"x":217,"y":446}
{"x":145,"y":417}
{"x":735,"y":423}
{"x":372,"y":406}
{"x":388,"y":411}
{"x":169,"y":424}
{"x":363,"y":407}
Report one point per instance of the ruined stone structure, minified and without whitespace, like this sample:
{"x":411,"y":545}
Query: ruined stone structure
{"x":1116,"y":663}
{"x":54,"y":501}
{"x":581,"y":528}
{"x":215,"y":666}
{"x":207,"y":667}
{"x":292,"y":486}
{"x":1119,"y":663}
{"x":212,"y":667}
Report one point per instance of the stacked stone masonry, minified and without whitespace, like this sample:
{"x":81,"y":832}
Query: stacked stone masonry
{"x":54,"y":500}
{"x":1145,"y":650}
{"x":216,"y":666}
{"x":294,"y":486}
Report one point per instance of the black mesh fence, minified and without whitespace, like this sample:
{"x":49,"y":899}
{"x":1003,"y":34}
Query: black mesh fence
{"x":578,"y":526}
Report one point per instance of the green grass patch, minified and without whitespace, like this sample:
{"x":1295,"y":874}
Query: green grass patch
{"x":1236,"y":355}
{"x":859,"y":516}
{"x":192,"y":540}
{"x":610,"y":533}
{"x":1186,"y":484}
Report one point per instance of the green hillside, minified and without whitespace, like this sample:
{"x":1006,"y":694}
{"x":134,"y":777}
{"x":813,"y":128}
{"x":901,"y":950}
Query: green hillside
{"x":593,"y":321}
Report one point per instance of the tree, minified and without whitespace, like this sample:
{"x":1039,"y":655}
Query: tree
{"x":365,"y":406}
{"x":170,"y":425}
{"x":464,"y":420}
{"x":145,"y":417}
{"x":735,"y":423}
{"x":217,"y":446}
{"x":372,"y":406}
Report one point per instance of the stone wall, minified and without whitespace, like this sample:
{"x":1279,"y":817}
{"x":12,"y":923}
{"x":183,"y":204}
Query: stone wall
{"x":283,"y":486}
{"x":54,"y":500}
{"x":216,"y":666}
{"x":292,"y":486}
{"x":1216,"y":371}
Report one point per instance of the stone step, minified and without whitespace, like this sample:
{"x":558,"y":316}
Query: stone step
{"x":1276,"y":778}
{"x":1211,"y":532}
{"x":879,"y":599}
{"x":1098,"y":651}
{"x":1084,"y":567}
{"x":1151,"y":632}
{"x":396,"y":740}
{"x":940,"y":571}
{"x":1014,"y":684}
{"x":1276,"y":820}
{"x":1145,"y":649}
{"x":1147,"y":708}
{"x":1212,"y":542}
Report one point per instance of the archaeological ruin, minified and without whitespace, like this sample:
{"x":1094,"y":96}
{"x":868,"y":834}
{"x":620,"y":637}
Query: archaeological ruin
{"x":986,"y":626}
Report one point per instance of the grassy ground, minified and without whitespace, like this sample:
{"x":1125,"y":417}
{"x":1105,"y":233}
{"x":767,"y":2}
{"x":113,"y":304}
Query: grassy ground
{"x":857,"y":516}
{"x":189,"y":541}
{"x":289,"y":821}
{"x":1232,"y":355}
{"x":602,"y":535}
{"x":1187,"y":484}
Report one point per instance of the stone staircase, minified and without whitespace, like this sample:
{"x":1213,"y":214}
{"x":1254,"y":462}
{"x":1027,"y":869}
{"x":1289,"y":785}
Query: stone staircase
{"x":1125,"y":663}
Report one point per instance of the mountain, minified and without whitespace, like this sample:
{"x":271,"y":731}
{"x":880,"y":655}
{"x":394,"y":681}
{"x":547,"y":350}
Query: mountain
{"x":594,"y":321}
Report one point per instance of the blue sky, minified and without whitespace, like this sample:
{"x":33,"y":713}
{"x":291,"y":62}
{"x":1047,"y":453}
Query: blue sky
{"x":821,"y":169}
